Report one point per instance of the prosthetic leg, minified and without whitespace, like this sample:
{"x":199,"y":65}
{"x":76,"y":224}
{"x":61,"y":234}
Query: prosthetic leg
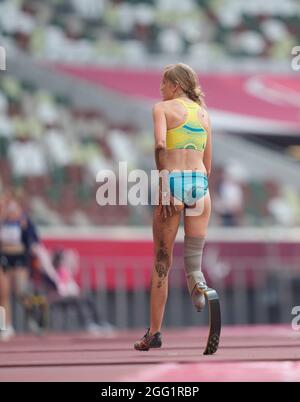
{"x":193,"y":251}
{"x":214,"y":321}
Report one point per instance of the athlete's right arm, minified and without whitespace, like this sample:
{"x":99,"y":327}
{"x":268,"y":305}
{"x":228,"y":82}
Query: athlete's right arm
{"x":160,"y":135}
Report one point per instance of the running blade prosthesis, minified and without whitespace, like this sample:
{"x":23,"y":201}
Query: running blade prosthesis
{"x":213,"y":302}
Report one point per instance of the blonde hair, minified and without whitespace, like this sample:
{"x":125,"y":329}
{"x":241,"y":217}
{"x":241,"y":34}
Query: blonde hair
{"x":187,"y":79}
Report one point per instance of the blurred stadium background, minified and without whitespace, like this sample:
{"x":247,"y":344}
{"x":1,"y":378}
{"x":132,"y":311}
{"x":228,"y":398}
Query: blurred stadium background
{"x":76,"y":97}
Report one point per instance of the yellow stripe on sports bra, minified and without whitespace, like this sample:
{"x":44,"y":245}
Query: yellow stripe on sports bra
{"x":190,"y":134}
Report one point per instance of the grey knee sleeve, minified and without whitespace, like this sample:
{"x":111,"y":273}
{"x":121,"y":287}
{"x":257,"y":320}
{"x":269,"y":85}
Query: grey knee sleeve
{"x":193,"y":250}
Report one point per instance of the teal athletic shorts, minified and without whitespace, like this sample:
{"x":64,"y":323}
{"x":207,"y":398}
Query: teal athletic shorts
{"x":188,"y":186}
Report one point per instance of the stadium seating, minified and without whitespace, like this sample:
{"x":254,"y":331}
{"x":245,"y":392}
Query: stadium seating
{"x":98,"y":30}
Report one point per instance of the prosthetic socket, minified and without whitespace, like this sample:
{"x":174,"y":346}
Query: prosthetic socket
{"x":193,"y":251}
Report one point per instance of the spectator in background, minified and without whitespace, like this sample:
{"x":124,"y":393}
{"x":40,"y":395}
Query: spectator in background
{"x":284,"y":207}
{"x":229,"y":200}
{"x":66,"y":263}
{"x":13,"y":257}
{"x":18,"y":241}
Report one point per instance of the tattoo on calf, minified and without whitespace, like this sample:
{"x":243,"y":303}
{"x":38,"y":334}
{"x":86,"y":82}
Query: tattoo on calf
{"x":161,"y":264}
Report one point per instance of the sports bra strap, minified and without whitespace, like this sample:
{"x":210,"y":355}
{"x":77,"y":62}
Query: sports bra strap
{"x":188,"y":104}
{"x":191,"y":103}
{"x":180,"y":100}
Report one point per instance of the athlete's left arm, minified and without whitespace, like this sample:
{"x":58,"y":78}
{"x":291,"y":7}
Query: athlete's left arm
{"x":161,"y":157}
{"x":207,"y":158}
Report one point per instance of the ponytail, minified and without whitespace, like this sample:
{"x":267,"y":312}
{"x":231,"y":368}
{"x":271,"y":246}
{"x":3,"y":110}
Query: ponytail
{"x":196,"y":95}
{"x":186,"y":77}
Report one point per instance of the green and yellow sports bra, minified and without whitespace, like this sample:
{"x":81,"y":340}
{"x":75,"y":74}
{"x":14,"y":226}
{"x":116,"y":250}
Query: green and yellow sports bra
{"x":189,"y":135}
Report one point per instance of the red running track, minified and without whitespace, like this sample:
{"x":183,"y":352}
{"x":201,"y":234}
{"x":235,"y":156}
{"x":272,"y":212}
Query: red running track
{"x":258,"y":353}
